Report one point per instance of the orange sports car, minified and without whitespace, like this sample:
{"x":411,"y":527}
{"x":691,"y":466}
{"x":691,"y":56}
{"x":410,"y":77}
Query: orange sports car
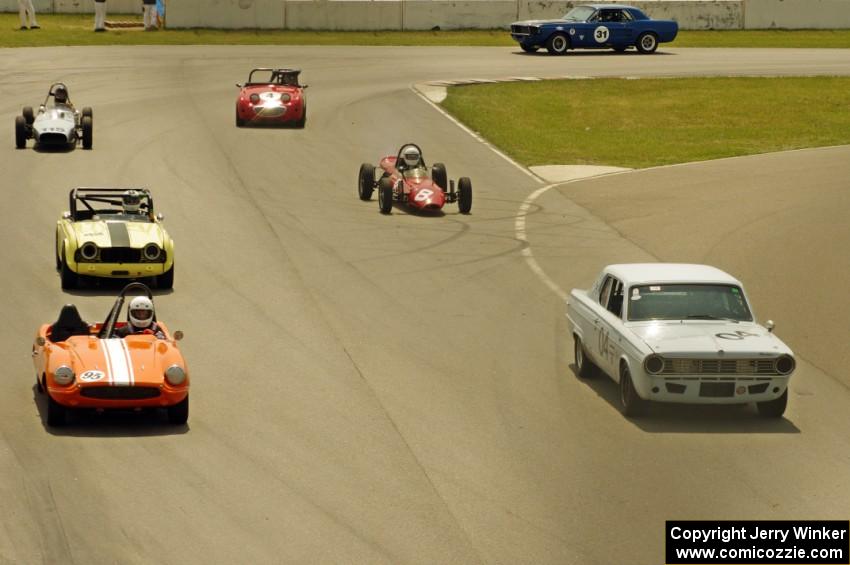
{"x":82,"y":365}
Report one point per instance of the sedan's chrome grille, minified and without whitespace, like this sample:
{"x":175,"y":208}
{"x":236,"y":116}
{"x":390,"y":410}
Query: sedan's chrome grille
{"x":719,"y":367}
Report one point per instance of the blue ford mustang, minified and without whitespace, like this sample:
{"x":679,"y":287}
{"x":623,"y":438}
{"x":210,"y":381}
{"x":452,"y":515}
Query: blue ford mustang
{"x":595,"y":26}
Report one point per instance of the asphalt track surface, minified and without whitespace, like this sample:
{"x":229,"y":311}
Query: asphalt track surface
{"x":400,"y":389}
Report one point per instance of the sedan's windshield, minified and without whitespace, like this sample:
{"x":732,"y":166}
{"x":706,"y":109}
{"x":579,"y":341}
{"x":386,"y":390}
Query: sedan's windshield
{"x":579,"y":14}
{"x":688,"y":302}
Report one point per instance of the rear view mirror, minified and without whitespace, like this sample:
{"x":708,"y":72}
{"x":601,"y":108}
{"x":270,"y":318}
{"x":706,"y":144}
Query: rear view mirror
{"x":159,"y":217}
{"x":238,"y":85}
{"x":40,"y":341}
{"x":769,"y":325}
{"x":178,"y":335}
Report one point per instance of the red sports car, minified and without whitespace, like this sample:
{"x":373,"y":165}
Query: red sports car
{"x":405,"y":178}
{"x":271,"y":96}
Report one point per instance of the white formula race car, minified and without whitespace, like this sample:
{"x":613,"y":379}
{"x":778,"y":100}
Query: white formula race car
{"x":57,"y":122}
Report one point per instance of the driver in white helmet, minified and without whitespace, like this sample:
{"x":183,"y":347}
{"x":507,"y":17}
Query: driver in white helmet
{"x":411,"y":158}
{"x":140,"y":315}
{"x":131,"y":202}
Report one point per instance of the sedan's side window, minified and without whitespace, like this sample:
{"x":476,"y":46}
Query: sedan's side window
{"x":615,"y":301}
{"x":605,"y":292}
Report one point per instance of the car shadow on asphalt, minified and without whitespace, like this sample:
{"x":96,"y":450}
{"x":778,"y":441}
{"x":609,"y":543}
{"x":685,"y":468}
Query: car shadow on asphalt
{"x":669,"y":418}
{"x":38,"y":148}
{"x":589,"y":53}
{"x":109,"y":423}
{"x":96,"y":286}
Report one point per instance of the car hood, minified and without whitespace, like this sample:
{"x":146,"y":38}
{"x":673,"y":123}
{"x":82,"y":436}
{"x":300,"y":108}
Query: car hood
{"x":688,"y":337}
{"x":136,"y":360}
{"x":118,"y":233}
{"x":542,"y":22}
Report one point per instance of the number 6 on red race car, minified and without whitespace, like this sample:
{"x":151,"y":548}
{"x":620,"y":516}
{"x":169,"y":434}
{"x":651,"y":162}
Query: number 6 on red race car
{"x":424,"y":194}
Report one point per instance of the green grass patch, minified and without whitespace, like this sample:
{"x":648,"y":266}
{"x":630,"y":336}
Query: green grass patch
{"x":76,"y":29}
{"x":649,"y":122}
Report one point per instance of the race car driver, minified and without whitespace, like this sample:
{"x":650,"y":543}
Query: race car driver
{"x":140,"y":314}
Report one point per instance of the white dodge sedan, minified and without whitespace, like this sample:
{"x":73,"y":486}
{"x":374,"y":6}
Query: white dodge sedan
{"x":681,"y":333}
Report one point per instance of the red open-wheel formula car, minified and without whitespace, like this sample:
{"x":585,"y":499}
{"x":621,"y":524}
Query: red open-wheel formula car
{"x":406,"y":178}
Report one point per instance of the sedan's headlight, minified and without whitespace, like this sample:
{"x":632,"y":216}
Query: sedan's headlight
{"x":175,"y":375}
{"x":653,"y":364}
{"x":64,"y":375}
{"x":785,"y":365}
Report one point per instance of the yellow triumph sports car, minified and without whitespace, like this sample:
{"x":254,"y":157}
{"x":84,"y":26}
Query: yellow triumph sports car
{"x":113,"y":233}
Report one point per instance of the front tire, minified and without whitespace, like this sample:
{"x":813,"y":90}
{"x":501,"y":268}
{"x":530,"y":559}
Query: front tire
{"x":69,"y":277}
{"x":773,"y":408}
{"x":179,"y":413}
{"x":631,"y":404}
{"x":464,"y":195}
{"x":29,"y":116}
{"x":20,"y":132}
{"x":647,"y":42}
{"x":239,"y":121}
{"x":56,"y":413}
{"x":529,"y":48}
{"x":557,"y":44}
{"x":166,"y":279}
{"x":586,"y":368}
{"x":303,"y":121}
{"x":440,"y":176}
{"x":366,"y":181}
{"x":88,"y":112}
{"x":385,"y":195}
{"x":88,"y":132}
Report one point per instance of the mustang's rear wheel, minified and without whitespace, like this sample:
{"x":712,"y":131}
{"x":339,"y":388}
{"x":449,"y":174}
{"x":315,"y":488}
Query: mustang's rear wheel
{"x":557,"y":44}
{"x":585,"y":367}
{"x":385,"y":195}
{"x":647,"y":42}
{"x":464,"y":195}
{"x":439,"y":176}
{"x":20,"y":132}
{"x":631,"y":404}
{"x":29,"y":117}
{"x":88,"y":131}
{"x":366,"y":181}
{"x":69,"y":277}
{"x":166,"y":279}
{"x":773,"y":408}
{"x":56,"y":413}
{"x":179,"y":413}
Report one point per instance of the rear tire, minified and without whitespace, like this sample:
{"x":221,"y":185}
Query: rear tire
{"x":88,"y":112}
{"x":179,"y":413}
{"x":166,"y":280}
{"x":69,"y":277}
{"x":439,"y":176}
{"x":557,"y":44}
{"x":585,"y":367}
{"x":464,"y":195}
{"x":303,"y":121}
{"x":647,"y":42}
{"x":631,"y":404}
{"x":56,"y":413}
{"x":20,"y":132}
{"x":385,"y":195}
{"x":239,"y":121}
{"x":88,"y":132}
{"x":366,"y":181}
{"x":773,"y":408}
{"x":29,"y":117}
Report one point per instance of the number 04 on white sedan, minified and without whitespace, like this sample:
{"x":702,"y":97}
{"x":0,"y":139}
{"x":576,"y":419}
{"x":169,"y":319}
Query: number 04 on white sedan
{"x":680,"y":333}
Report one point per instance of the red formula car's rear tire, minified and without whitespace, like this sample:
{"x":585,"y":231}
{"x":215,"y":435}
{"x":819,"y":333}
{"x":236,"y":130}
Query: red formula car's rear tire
{"x":88,"y":132}
{"x":439,"y":176}
{"x":56,"y":413}
{"x":20,"y":132}
{"x":366,"y":181}
{"x":464,"y":195}
{"x":385,"y":195}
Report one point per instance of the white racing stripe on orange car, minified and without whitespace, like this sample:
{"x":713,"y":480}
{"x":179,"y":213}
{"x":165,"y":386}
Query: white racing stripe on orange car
{"x":118,"y":360}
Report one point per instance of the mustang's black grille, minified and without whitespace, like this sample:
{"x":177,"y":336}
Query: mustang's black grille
{"x":523,"y":30}
{"x":120,"y":392}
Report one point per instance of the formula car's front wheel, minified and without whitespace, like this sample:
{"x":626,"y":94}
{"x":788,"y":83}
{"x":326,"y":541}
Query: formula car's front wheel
{"x":29,"y":117}
{"x":69,"y":277}
{"x":166,"y":279}
{"x":366,"y":181}
{"x":631,"y":404}
{"x":56,"y":413}
{"x":557,"y":44}
{"x":179,"y":413}
{"x":464,"y":195}
{"x":647,"y":42}
{"x":88,"y":132}
{"x":20,"y":132}
{"x":385,"y":195}
{"x":440,"y":176}
{"x":88,"y":112}
{"x":773,"y":408}
{"x":585,"y":367}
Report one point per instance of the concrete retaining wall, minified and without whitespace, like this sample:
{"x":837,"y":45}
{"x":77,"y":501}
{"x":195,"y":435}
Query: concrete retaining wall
{"x":460,"y":14}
